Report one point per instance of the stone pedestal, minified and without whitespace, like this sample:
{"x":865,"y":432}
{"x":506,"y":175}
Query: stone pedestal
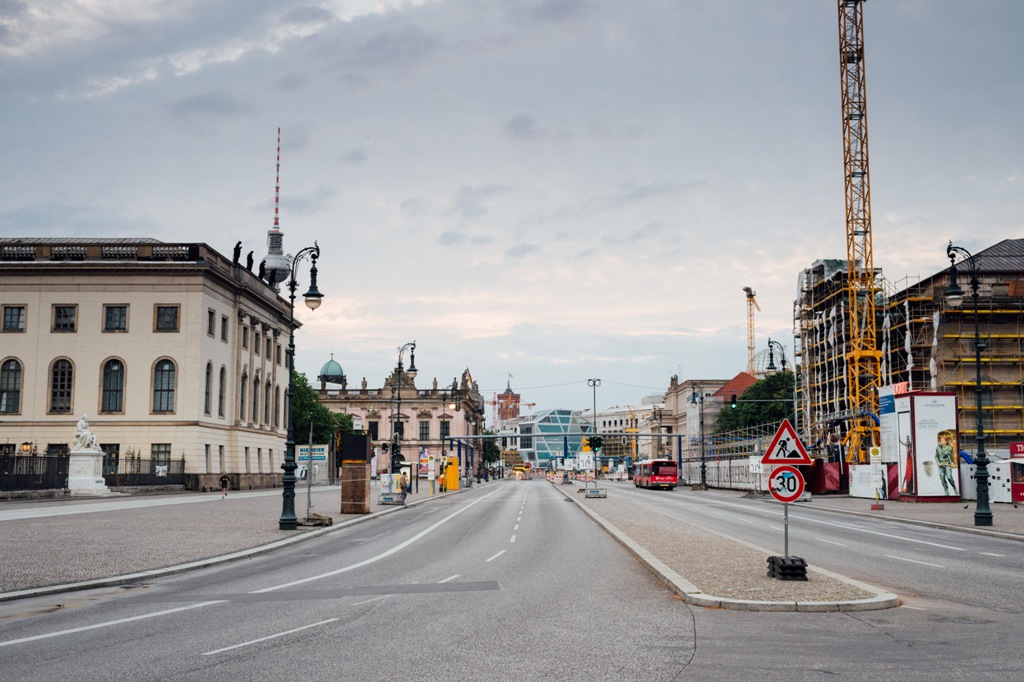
{"x":355,"y":487}
{"x":85,"y":473}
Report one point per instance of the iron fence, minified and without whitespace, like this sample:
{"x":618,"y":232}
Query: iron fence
{"x":19,"y":472}
{"x":137,"y":471}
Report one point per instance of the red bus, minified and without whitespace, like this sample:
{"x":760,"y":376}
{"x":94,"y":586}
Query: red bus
{"x":656,"y":473}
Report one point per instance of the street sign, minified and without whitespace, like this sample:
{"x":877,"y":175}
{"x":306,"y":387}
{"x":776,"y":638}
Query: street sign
{"x":786,"y":484}
{"x":785,"y":447}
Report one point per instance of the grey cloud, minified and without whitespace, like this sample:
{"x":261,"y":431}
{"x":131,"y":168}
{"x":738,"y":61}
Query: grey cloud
{"x":308,"y":204}
{"x":292,"y":82}
{"x":549,"y":11}
{"x":522,"y":250}
{"x":648,"y":231}
{"x":400,"y":47}
{"x":451,"y":238}
{"x":524,"y":126}
{"x":308,"y":14}
{"x":218,"y":103}
{"x":72,"y":220}
{"x":356,"y":155}
{"x":470,"y":201}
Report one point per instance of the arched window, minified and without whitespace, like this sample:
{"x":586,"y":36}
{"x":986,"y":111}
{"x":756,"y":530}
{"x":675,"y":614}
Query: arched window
{"x":113,"y":386}
{"x":208,"y":394}
{"x":10,"y":387}
{"x":220,"y":391}
{"x":277,"y":408}
{"x":163,"y":386}
{"x":256,"y":401}
{"x":62,"y":377}
{"x":266,"y":404}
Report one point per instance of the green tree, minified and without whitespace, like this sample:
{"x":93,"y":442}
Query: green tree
{"x":490,"y":452}
{"x":768,"y":401}
{"x":307,"y":409}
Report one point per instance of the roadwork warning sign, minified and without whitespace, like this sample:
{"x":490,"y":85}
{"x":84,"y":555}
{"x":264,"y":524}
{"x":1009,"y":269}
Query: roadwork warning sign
{"x":785,"y":447}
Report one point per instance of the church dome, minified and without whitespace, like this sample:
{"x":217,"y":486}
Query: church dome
{"x":332,"y":372}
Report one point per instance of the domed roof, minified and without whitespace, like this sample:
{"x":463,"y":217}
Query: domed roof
{"x":332,"y":372}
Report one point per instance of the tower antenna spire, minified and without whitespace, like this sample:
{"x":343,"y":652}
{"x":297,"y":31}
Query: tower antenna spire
{"x":277,"y":265}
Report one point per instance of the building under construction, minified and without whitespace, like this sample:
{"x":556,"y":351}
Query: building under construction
{"x":924,"y":344}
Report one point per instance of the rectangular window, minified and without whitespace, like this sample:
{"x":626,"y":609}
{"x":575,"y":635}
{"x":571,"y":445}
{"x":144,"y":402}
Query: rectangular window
{"x":256,"y":343}
{"x":374,"y":427}
{"x":278,"y":355}
{"x":166,"y":318}
{"x":64,"y":318}
{"x":115,"y":318}
{"x":14,"y":318}
{"x":446,"y":428}
{"x":245,"y":338}
{"x":424,"y":430}
{"x":160,"y":453}
{"x":270,"y":348}
{"x":211,"y":323}
{"x":224,"y":328}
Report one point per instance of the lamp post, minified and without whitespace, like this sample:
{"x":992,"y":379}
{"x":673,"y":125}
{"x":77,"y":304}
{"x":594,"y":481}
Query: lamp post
{"x":313,"y":298}
{"x":955,"y":298}
{"x":697,"y":397}
{"x":594,"y":383}
{"x":657,"y":413}
{"x":771,"y":368}
{"x":396,"y":400}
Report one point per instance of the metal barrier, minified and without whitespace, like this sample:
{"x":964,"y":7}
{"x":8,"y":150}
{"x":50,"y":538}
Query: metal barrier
{"x":18,"y":472}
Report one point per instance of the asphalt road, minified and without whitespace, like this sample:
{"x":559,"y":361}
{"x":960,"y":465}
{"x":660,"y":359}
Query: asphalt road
{"x":511,"y":582}
{"x":502,"y":582}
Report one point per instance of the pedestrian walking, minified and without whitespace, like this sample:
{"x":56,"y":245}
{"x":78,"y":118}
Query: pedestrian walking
{"x":403,"y":484}
{"x":225,"y":482}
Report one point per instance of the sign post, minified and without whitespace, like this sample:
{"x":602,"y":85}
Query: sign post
{"x":786,"y":484}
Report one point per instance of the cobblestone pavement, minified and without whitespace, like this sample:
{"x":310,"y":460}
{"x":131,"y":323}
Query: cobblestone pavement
{"x":167,"y":530}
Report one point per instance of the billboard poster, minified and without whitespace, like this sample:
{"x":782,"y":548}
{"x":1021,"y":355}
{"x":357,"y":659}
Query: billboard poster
{"x":929,"y":449}
{"x":887,"y":424}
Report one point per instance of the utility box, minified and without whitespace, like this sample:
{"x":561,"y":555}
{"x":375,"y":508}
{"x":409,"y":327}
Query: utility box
{"x":355,"y":486}
{"x":451,"y":473}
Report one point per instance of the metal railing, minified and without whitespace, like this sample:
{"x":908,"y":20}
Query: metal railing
{"x":137,"y":471}
{"x":18,"y":472}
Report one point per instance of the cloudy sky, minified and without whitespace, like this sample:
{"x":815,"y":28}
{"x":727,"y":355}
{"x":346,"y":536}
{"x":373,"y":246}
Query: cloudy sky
{"x":553,"y":189}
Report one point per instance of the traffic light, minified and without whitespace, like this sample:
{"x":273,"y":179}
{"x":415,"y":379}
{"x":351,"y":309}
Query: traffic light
{"x":585,"y":445}
{"x":732,"y":401}
{"x":595,"y":443}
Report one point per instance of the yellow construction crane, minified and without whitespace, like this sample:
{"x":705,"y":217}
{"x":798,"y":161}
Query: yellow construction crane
{"x":751,"y":306}
{"x":862,"y":356}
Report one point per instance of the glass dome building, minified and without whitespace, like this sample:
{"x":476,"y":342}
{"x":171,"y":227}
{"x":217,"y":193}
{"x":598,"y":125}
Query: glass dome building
{"x":548,"y":436}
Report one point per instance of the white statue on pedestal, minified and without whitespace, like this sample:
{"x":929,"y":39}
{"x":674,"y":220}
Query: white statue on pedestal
{"x":84,"y":438}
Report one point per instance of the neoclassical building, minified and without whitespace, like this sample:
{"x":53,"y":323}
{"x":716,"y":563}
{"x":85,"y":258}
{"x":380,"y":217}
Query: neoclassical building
{"x":175,"y":352}
{"x":421,"y":418}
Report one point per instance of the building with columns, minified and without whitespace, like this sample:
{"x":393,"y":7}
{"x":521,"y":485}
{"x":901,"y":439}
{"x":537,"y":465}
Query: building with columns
{"x":422,"y":419}
{"x":175,"y":352}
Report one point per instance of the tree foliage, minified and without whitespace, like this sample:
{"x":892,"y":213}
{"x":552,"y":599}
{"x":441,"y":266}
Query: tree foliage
{"x":490,"y":451}
{"x":307,"y":409}
{"x":774,"y":396}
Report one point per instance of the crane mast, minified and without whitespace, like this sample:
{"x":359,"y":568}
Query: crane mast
{"x":863,"y":356}
{"x":751,"y":305}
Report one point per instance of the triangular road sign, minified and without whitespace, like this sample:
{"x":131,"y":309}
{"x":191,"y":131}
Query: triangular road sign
{"x":786,"y":447}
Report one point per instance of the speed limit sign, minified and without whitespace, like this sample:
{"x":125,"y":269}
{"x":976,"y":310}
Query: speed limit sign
{"x":786,"y":484}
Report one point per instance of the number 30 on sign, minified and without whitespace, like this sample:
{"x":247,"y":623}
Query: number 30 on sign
{"x":786,"y":484}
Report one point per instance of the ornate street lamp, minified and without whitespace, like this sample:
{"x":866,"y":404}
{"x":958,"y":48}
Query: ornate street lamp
{"x":594,"y":383}
{"x":313,"y":298}
{"x":396,"y":399}
{"x":954,"y":299}
{"x":771,"y":356}
{"x":697,"y":397}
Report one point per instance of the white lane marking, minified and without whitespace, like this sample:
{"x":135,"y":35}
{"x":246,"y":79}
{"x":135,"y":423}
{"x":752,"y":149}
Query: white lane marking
{"x":741,"y":520}
{"x":380,"y":556}
{"x":448,"y":579}
{"x":519,"y":518}
{"x":108,"y":623}
{"x":516,"y":527}
{"x":263,"y":639}
{"x":360,"y":603}
{"x":830,"y":542}
{"x":513,"y":539}
{"x":915,"y":608}
{"x":495,"y":556}
{"x":991,"y":554}
{"x":913,"y":561}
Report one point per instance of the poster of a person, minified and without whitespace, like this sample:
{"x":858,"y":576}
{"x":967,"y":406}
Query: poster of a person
{"x":946,"y":460}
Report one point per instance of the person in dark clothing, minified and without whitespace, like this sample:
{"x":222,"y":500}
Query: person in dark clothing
{"x":225,"y":483}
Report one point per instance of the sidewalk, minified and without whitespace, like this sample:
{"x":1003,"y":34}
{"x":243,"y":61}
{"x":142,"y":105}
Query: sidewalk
{"x":62,"y":544}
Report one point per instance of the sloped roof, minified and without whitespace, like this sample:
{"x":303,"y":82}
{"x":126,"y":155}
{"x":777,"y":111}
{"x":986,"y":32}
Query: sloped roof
{"x":1005,"y":256}
{"x":737,"y":384}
